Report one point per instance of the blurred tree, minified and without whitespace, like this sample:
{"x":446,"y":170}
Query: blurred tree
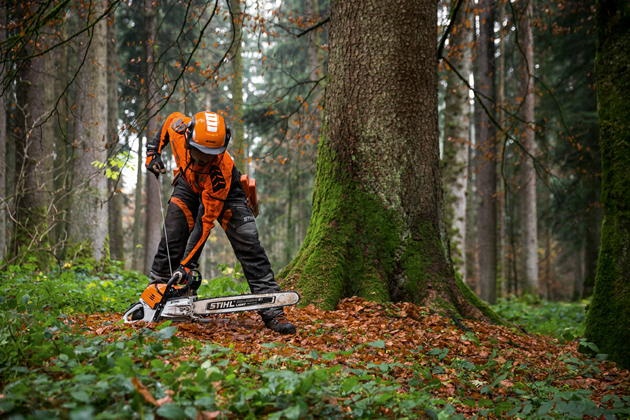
{"x":486,"y":154}
{"x":115,"y":201}
{"x":88,"y":228}
{"x":457,"y":135}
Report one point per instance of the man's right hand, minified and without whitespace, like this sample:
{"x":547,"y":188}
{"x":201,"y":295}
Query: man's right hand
{"x":154,"y":163}
{"x":182,"y":273}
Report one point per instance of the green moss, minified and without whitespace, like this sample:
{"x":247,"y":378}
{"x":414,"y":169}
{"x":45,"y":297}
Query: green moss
{"x":608,"y":321}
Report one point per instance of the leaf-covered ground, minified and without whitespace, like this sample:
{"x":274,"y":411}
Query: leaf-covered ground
{"x":65,"y":355}
{"x":489,"y":368}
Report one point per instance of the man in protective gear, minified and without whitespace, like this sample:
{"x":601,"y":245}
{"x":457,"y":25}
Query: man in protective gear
{"x":207,"y":188}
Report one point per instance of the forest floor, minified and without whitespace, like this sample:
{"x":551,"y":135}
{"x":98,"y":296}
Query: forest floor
{"x":363,"y":360}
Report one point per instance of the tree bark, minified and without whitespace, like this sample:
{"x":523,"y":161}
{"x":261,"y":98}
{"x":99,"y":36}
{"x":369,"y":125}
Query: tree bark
{"x":34,"y":157}
{"x":528,"y":216}
{"x":88,"y":227}
{"x":138,"y":250}
{"x":115,"y":202}
{"x":153,"y":220}
{"x":3,"y":144}
{"x":238,"y":139}
{"x":377,"y":229}
{"x":592,"y":242}
{"x":608,"y":320}
{"x":486,"y":157}
{"x":456,"y":137}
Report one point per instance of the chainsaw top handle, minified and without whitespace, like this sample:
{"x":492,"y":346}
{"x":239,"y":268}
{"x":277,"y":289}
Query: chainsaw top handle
{"x":194,"y":281}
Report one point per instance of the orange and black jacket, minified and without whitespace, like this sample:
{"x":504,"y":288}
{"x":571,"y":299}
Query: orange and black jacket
{"x":212,"y":181}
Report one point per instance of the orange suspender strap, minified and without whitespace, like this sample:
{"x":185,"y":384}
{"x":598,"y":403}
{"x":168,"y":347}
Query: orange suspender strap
{"x":212,"y":209}
{"x":186,"y":210}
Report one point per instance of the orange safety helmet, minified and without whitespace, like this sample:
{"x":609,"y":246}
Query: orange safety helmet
{"x":208,"y":133}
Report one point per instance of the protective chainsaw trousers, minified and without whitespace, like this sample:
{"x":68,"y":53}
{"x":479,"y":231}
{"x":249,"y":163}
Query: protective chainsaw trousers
{"x":184,"y":230}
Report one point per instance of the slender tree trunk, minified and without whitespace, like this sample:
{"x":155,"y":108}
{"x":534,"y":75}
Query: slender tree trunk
{"x":471,"y":225}
{"x":138,"y":250}
{"x":115,"y":203}
{"x":456,"y":137}
{"x":63,"y":154}
{"x":153,"y":218}
{"x":3,"y":143}
{"x":528,"y":216}
{"x":88,"y":227}
{"x":486,"y":157}
{"x":578,"y":281}
{"x":238,"y":139}
{"x":502,"y":248}
{"x":377,"y":229}
{"x":608,"y":320}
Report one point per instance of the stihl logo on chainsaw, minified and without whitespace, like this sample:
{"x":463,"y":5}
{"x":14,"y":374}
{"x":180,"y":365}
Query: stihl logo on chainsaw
{"x":229,"y":304}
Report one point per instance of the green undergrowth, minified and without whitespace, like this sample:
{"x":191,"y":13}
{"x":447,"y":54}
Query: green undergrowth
{"x":50,"y":369}
{"x":557,"y":319}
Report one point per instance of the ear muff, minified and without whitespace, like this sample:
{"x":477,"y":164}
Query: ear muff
{"x":188,"y":134}
{"x":228,"y":135}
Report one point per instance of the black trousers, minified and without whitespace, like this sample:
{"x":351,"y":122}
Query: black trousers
{"x":184,"y":230}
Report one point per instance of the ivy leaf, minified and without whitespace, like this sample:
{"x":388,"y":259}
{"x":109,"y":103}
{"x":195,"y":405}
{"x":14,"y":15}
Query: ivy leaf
{"x":171,"y":411}
{"x":166,"y":333}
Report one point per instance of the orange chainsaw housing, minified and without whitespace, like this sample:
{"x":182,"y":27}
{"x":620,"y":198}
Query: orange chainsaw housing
{"x":154,"y":294}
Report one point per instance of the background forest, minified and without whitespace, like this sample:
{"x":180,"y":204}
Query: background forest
{"x":85,"y":85}
{"x":267,"y":74}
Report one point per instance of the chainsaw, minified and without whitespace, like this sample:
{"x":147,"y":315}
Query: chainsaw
{"x":179,"y":302}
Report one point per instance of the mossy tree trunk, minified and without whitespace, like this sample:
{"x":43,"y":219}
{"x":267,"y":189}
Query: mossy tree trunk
{"x":377,"y":229}
{"x":457,"y":137}
{"x":608,"y":321}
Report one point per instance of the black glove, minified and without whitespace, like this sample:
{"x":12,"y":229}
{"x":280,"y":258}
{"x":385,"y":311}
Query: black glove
{"x":154,"y":163}
{"x":182,"y":272}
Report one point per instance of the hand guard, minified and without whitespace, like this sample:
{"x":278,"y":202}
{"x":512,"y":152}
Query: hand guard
{"x":154,"y":163}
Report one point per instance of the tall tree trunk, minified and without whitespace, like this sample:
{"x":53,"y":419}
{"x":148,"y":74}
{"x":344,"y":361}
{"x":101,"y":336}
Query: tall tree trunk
{"x":63,"y":150}
{"x":115,"y":203}
{"x":528,"y":216}
{"x":238,"y":139}
{"x":486,"y":157}
{"x":471,"y":225}
{"x":456,"y":137}
{"x":502,"y":248}
{"x":608,"y":320}
{"x":153,"y":220}
{"x":377,"y":229}
{"x":3,"y":143}
{"x":34,"y":155}
{"x":138,"y":250}
{"x":88,"y":227}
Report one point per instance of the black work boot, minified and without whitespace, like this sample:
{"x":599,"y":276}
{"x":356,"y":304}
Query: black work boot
{"x":280,"y":324}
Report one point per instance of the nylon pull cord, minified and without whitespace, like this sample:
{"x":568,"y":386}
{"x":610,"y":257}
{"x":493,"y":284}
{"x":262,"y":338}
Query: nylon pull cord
{"x":168,"y":253}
